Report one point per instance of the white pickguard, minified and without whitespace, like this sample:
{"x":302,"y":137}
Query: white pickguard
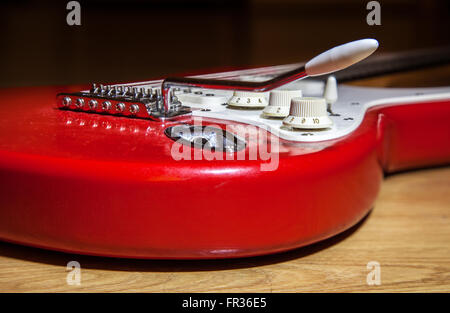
{"x":351,"y":106}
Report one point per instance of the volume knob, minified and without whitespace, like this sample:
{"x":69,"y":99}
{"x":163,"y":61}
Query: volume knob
{"x":308,"y":113}
{"x":280,"y":101}
{"x":247,"y":99}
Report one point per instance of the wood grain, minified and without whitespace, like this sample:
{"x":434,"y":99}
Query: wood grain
{"x":408,"y":233}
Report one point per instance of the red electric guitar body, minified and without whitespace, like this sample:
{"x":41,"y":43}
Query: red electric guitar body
{"x":108,"y":185}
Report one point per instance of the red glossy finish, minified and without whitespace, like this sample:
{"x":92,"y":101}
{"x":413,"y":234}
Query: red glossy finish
{"x":418,"y":135}
{"x":106,"y":185}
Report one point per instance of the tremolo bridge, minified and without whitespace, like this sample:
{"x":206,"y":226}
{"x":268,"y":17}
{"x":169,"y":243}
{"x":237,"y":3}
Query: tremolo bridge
{"x":141,"y":101}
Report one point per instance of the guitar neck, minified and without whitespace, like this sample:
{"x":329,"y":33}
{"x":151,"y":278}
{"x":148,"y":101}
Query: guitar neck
{"x":394,"y":62}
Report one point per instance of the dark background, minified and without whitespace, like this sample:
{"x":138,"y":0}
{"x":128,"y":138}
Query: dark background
{"x":138,"y":40}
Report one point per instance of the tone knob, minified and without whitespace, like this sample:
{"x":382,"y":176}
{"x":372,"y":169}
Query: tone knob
{"x":280,"y":102}
{"x":247,"y":99}
{"x":308,"y":113}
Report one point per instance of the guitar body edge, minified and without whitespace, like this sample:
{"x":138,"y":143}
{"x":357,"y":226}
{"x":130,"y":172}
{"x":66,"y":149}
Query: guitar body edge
{"x":166,"y":209}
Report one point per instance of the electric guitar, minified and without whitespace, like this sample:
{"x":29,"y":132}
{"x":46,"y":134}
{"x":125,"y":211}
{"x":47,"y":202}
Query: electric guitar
{"x":218,"y":165}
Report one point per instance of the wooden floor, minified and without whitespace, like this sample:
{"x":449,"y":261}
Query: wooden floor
{"x":407,"y":233}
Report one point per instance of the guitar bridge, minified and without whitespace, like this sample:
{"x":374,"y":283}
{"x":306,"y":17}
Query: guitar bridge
{"x":122,"y":100}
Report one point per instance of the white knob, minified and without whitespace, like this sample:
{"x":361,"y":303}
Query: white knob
{"x":247,"y":99}
{"x":280,"y":102}
{"x":308,"y":113}
{"x":331,"y":93}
